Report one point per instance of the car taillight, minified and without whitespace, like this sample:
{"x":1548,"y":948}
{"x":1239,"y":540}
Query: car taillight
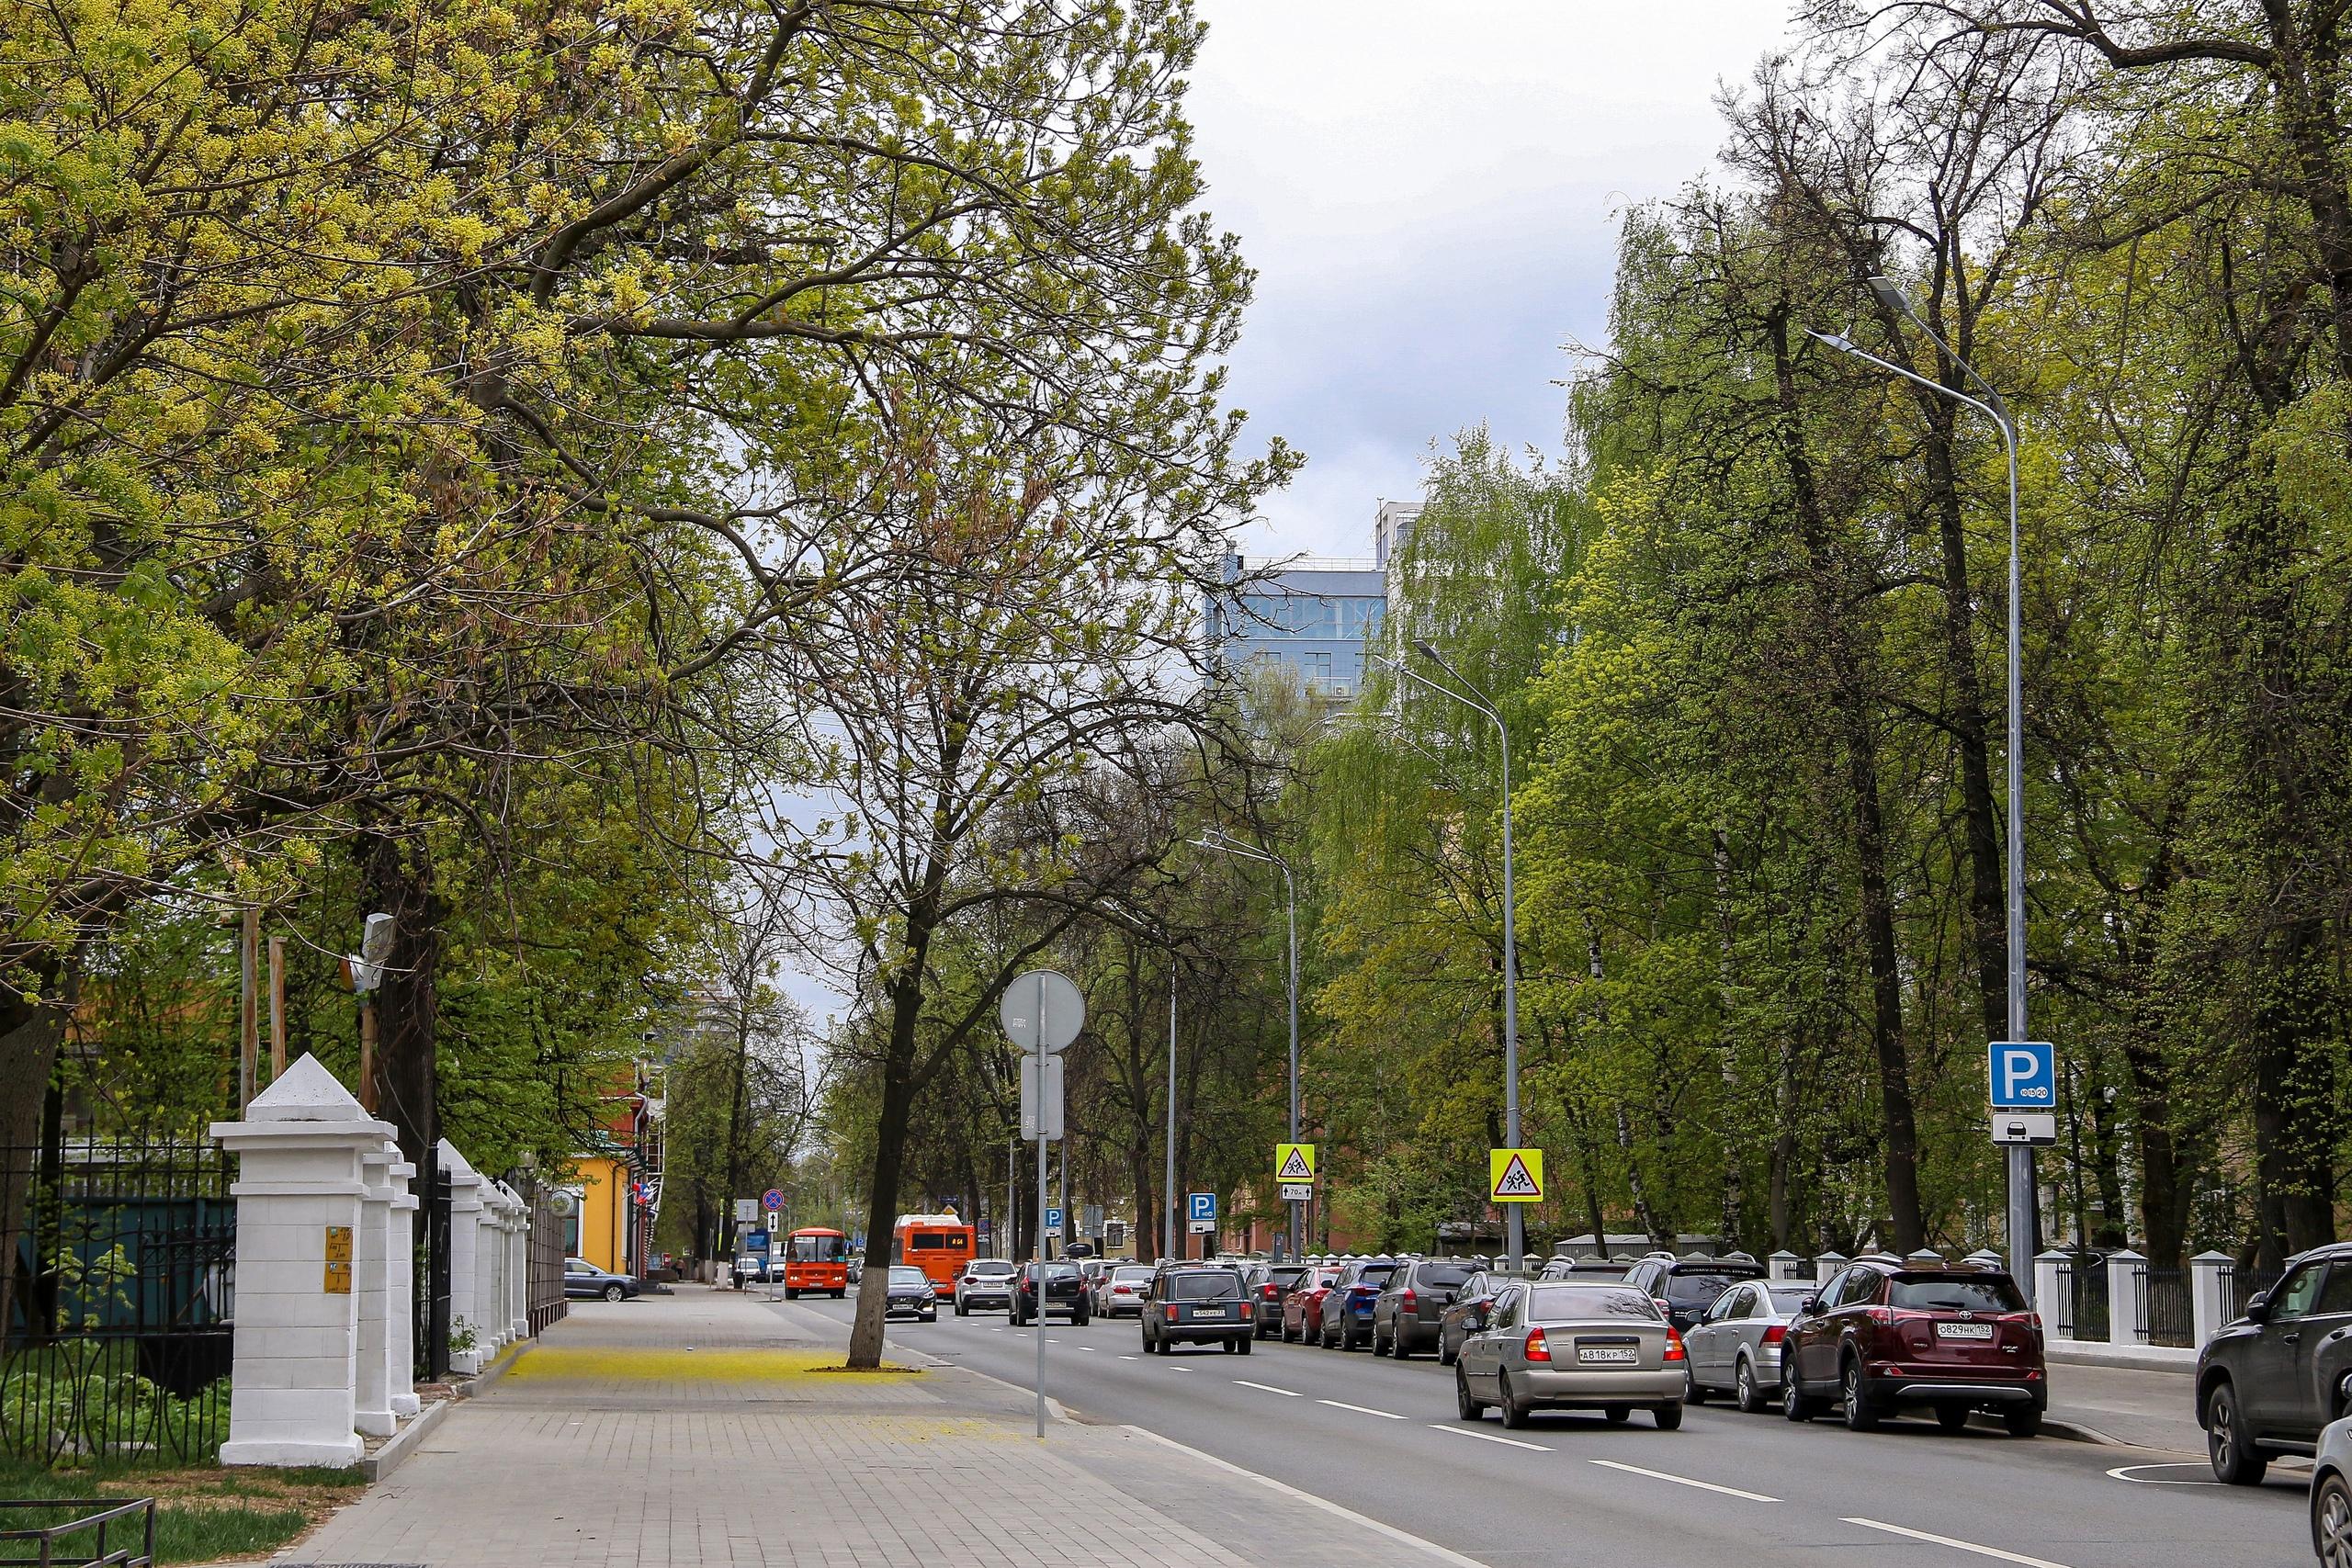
{"x":1171,"y":1310}
{"x":1266,"y":1290}
{"x":1537,"y":1350}
{"x":1776,"y":1333}
{"x":1673,"y":1343}
{"x":1409,"y":1301}
{"x":1665,"y":1309}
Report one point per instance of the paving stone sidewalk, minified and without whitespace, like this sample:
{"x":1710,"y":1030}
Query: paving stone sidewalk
{"x":697,"y":1430}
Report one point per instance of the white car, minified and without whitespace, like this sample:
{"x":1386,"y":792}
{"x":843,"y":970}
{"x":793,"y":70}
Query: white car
{"x":985,"y":1282}
{"x":1122,"y":1289}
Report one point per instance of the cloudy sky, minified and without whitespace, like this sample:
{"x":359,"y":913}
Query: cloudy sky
{"x":1428,"y":192}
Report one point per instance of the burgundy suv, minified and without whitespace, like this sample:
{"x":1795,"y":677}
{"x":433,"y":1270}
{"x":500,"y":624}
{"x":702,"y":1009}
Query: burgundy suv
{"x":1886,"y":1333}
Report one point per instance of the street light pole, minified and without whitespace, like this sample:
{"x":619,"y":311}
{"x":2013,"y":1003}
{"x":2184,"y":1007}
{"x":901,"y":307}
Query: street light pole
{"x":1217,"y":839}
{"x":1167,"y":1247}
{"x":1479,"y":702}
{"x":2023,"y":1217}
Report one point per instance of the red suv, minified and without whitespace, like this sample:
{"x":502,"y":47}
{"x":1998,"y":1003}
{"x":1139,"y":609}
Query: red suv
{"x":1886,"y":1333}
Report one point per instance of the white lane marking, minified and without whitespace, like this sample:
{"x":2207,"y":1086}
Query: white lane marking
{"x":1131,"y":1357}
{"x":2123,"y":1472}
{"x":1052,"y":1341}
{"x":1088,"y":1348}
{"x":1180,"y":1369}
{"x":1266,"y":1388}
{"x":1994,"y":1551}
{"x":1359,"y":1409}
{"x":1683,"y":1481}
{"x":1486,"y":1437}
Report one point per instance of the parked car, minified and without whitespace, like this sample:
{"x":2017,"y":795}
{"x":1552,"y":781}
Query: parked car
{"x":1585,"y":1271}
{"x":857,"y":1267}
{"x":1275,"y":1282}
{"x":1347,"y":1310}
{"x":1412,"y":1302}
{"x":749,"y":1269}
{"x":1685,"y":1287}
{"x":1065,"y":1292}
{"x":1554,"y":1344}
{"x":1303,"y":1305}
{"x":2331,"y":1495}
{"x":910,"y":1293}
{"x":1206,"y":1303}
{"x":1884,"y":1334}
{"x":1121,"y":1289}
{"x":2267,"y":1382}
{"x":985,"y":1282}
{"x":585,"y":1282}
{"x":1474,"y":1299}
{"x":1735,"y":1347}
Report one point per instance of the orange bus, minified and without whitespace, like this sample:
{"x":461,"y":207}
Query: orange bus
{"x":942,"y":1246}
{"x":816,"y":1259}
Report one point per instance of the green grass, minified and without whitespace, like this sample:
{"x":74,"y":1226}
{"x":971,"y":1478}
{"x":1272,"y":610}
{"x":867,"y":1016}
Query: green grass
{"x":202,"y":1514}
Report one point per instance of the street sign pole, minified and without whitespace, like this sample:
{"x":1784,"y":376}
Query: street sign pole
{"x":1041,"y":1209}
{"x":1042,"y":1012}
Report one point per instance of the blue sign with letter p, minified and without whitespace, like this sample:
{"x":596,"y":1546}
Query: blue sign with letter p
{"x":2024,"y":1074}
{"x":1203,"y":1205}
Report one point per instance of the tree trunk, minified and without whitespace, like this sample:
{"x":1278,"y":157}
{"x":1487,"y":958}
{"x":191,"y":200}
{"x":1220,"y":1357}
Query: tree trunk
{"x":32,"y":1026}
{"x":398,"y":875}
{"x":889,"y":1148}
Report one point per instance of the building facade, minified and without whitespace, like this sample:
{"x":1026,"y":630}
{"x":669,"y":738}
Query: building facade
{"x":1306,"y":617}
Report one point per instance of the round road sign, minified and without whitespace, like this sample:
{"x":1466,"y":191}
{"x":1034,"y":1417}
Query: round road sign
{"x":771,"y":1199}
{"x":1041,"y":993}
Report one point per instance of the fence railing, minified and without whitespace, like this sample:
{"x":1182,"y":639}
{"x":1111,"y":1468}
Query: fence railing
{"x":430,"y":1317}
{"x":118,"y":1339}
{"x":2241,"y":1285}
{"x":2168,"y":1309}
{"x":2082,"y":1304}
{"x":544,"y":1292}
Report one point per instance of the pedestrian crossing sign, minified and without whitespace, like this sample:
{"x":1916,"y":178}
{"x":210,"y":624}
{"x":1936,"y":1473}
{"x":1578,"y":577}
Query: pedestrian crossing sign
{"x":1515,"y":1176}
{"x":1295,"y":1162}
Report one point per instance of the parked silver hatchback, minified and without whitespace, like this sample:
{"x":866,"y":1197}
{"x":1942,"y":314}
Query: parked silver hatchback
{"x":1735,"y":1345}
{"x":1573,"y":1347}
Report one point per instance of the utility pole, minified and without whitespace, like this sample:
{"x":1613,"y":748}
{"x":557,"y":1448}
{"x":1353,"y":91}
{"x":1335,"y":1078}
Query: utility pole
{"x":1168,"y":1248}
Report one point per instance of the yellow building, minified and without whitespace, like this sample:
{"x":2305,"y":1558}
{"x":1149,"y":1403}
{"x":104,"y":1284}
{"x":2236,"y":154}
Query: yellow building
{"x":600,"y":1210}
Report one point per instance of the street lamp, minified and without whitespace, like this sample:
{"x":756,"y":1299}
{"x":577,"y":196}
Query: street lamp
{"x":2022,"y":1191}
{"x":1215,"y":838}
{"x":1479,"y":702}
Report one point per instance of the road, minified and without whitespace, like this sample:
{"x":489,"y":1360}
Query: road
{"x":1381,"y":1438}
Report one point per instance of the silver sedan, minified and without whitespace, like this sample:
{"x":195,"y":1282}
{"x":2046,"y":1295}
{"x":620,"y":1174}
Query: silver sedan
{"x":1571,"y":1346}
{"x":1735,"y":1347}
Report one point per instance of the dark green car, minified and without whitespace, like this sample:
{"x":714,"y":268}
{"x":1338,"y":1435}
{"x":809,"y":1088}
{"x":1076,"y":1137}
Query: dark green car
{"x":1200,"y":1305}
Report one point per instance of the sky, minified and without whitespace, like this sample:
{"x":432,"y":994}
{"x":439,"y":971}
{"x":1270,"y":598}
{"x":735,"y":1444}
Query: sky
{"x":1430,"y":193}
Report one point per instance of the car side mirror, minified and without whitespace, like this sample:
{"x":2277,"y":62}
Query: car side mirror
{"x":1808,"y":1306}
{"x":2258,"y":1307}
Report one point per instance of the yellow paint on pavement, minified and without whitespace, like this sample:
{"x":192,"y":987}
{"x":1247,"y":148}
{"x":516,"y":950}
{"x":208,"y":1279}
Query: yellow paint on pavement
{"x":595,"y":1363}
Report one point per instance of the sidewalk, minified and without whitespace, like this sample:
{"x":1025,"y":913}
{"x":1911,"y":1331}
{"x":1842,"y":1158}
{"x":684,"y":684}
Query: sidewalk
{"x":699,"y":1429}
{"x":2146,"y":1409}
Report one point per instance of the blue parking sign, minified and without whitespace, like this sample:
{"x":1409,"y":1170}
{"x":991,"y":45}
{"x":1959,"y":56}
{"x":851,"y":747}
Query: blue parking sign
{"x":2024,"y":1074}
{"x":1203,"y":1205}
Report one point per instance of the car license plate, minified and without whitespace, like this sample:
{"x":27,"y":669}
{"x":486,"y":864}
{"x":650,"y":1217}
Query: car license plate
{"x":1607,"y":1355}
{"x":1212,"y":1312}
{"x":1963,"y":1331}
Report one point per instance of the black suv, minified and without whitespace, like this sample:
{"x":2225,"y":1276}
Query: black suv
{"x":1685,"y":1287}
{"x":2266,"y":1383}
{"x":1405,"y":1316}
{"x":1065,"y":1292}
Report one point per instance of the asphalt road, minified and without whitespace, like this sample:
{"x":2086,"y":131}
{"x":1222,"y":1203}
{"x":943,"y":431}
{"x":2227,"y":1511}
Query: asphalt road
{"x":1383,"y":1438}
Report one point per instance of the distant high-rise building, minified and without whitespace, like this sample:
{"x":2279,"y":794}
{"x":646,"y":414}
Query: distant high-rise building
{"x":1391,"y":525}
{"x":1307,"y":616}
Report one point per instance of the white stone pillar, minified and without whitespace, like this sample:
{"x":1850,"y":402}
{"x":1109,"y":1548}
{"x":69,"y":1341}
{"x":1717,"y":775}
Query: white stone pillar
{"x":465,"y":1256}
{"x":2051,"y":1297}
{"x":2206,"y":1271}
{"x":497,"y":1240}
{"x":372,"y":1390}
{"x":2126,"y":1298}
{"x":400,"y":1315}
{"x":300,"y":1188}
{"x":519,"y":1270}
{"x":1826,"y":1267}
{"x":1784,"y":1264}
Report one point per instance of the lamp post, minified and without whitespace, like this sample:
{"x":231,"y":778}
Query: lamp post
{"x":1479,"y":702}
{"x":2021,"y":1205}
{"x":1217,"y":839}
{"x":1167,"y":1248}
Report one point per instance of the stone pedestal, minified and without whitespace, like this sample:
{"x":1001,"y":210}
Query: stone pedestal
{"x":465,"y":1259}
{"x":518,"y":1267}
{"x":373,"y":1392}
{"x":1784,"y":1264}
{"x":2126,"y":1298}
{"x":1826,"y":1267}
{"x":299,"y":1192}
{"x":2049,"y":1295}
{"x":400,"y":1266}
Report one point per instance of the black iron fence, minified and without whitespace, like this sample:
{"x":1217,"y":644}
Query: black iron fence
{"x":544,"y":1287}
{"x":2167,"y":1311}
{"x":2081,"y":1296}
{"x":430,"y":1319}
{"x":2240,"y":1285}
{"x":117,"y":1339}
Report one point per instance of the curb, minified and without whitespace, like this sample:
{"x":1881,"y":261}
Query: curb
{"x":2053,"y":1427}
{"x":388,"y":1459}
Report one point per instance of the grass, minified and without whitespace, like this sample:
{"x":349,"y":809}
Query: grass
{"x":202,"y":1513}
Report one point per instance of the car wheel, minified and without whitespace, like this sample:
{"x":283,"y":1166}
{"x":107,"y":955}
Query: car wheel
{"x":1400,"y":1345}
{"x":1692,"y":1393}
{"x":1952,"y":1418}
{"x":1668,"y":1417}
{"x":613,"y":1293}
{"x":1795,"y":1404}
{"x":1469,"y":1408}
{"x":839,"y":1294}
{"x":1617,"y":1414}
{"x":1514,"y":1412}
{"x":1743,"y":1391}
{"x":1082,"y":1319}
{"x":962,"y":1309}
{"x":2235,"y":1462}
{"x":931,"y":1316}
{"x":1446,"y":1352}
{"x":1861,"y":1413}
{"x":2332,"y":1522}
{"x":1379,"y":1345}
{"x":2021,"y":1420}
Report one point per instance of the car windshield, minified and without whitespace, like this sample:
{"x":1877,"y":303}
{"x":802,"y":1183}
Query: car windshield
{"x":1787,"y":1299}
{"x":1441,"y":1274}
{"x":1563,"y":1304}
{"x":1699,"y":1290}
{"x":1130,"y":1275}
{"x":909,"y":1277}
{"x":819,"y":1248}
{"x":1945,"y":1293}
{"x":1288,"y":1275}
{"x":1205,"y":1285}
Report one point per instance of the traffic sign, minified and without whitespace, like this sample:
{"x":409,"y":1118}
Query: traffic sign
{"x":1297,"y":1192}
{"x":747,"y":1211}
{"x":2025,"y":1127}
{"x":1295,"y":1162}
{"x":771,"y":1199}
{"x":1515,"y":1176}
{"x":1053,"y":1222}
{"x":1199,"y":1206}
{"x":2023,"y":1074}
{"x":1041,"y":1097}
{"x":1090,"y":1218}
{"x":1044,"y":993}
{"x":756,"y":1241}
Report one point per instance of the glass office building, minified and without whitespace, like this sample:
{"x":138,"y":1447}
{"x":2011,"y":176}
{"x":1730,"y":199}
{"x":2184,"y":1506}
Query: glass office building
{"x":1307,"y":616}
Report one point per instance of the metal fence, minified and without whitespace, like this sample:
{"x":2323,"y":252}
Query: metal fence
{"x":2167,"y":1311}
{"x":430,"y":1320}
{"x":2239,"y":1285}
{"x":118,"y":1341}
{"x":544,"y":1287}
{"x":2081,"y":1296}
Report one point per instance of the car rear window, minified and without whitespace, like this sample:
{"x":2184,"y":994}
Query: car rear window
{"x":1441,"y":1273}
{"x":992,"y":1266}
{"x":1945,"y":1293}
{"x":1205,"y":1286}
{"x":1130,"y":1273}
{"x":1375,"y":1273}
{"x":1287,"y":1277}
{"x":1699,"y":1290}
{"x":1554,"y":1304}
{"x":1789,"y":1297}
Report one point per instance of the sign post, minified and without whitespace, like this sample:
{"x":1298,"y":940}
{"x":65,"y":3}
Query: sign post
{"x":1042,"y":1013}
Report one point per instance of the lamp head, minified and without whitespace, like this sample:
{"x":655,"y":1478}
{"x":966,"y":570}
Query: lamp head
{"x":1833,"y":340}
{"x":1888,"y":294}
{"x":1421,"y":644}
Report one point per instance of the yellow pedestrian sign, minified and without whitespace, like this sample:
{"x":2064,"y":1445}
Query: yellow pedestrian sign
{"x":1295,"y":1162}
{"x":1515,"y":1176}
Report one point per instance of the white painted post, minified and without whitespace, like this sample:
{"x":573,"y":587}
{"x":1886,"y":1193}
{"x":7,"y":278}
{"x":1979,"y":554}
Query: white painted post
{"x":1826,"y":1267}
{"x":465,"y":1254}
{"x":294,"y":1357}
{"x":2206,"y":1271}
{"x":2050,"y":1295}
{"x":2126,"y":1298}
{"x":519,"y":1270}
{"x":372,"y":1390}
{"x":400,"y":1295}
{"x":1784,"y":1264}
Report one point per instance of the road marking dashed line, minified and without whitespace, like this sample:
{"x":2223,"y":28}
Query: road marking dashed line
{"x":1957,"y":1545}
{"x":1359,"y":1409}
{"x":1485,"y":1437}
{"x":1683,"y":1481}
{"x":1267,"y":1387}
